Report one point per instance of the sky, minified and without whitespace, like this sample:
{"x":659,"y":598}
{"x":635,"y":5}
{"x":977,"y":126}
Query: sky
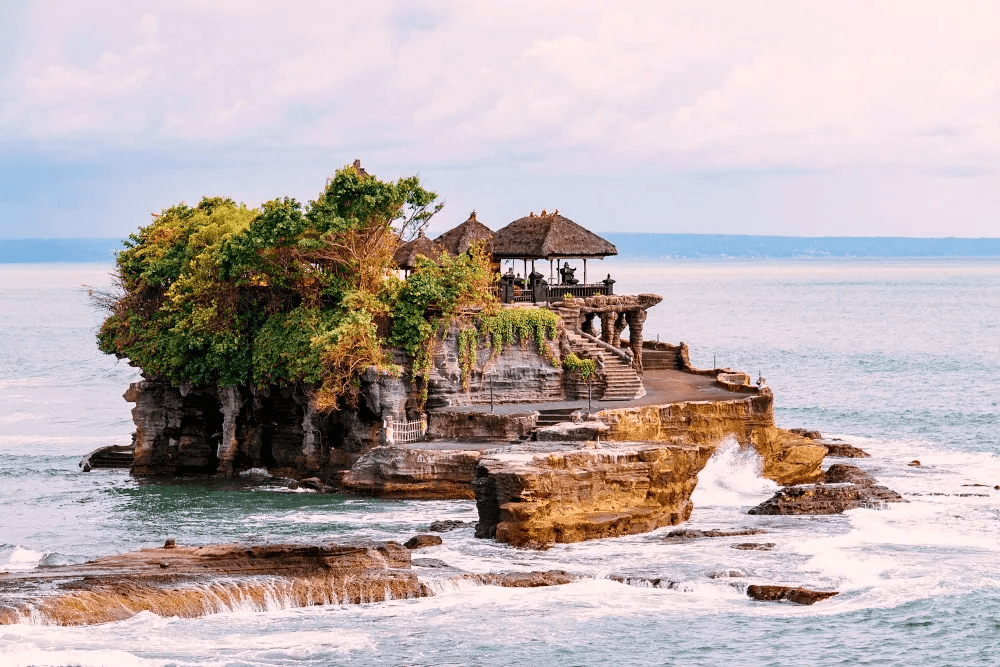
{"x":861,"y":118}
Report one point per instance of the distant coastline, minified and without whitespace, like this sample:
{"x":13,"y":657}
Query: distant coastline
{"x":633,"y":246}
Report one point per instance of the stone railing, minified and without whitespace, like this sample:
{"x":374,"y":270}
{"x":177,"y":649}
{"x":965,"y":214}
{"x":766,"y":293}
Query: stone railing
{"x":620,"y":352}
{"x":402,"y":432}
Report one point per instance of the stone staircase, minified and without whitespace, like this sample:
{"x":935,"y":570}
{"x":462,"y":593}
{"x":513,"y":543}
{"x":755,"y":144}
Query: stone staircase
{"x":557,"y":416}
{"x":623,"y":383}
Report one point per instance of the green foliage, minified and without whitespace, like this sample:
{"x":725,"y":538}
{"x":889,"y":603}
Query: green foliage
{"x":587,"y":367}
{"x":221,"y":293}
{"x":506,"y":327}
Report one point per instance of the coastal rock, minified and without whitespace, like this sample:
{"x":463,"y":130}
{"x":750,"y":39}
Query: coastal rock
{"x":826,"y":499}
{"x":788,"y":458}
{"x":571,"y":493}
{"x":430,"y":562}
{"x":847,"y":474}
{"x":469,"y":426}
{"x":445,"y":526}
{"x":421,"y":541}
{"x":845,"y":451}
{"x":414,"y":471}
{"x":686,"y":535}
{"x":188,"y":582}
{"x":569,"y":431}
{"x":789,"y":593}
{"x":805,"y":433}
{"x":523,"y":579}
{"x":755,"y":546}
{"x":914,"y":463}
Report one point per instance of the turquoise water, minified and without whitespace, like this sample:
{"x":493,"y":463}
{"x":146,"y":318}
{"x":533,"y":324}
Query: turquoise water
{"x":901,"y":358}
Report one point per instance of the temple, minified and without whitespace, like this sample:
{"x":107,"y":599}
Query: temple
{"x":586,"y":432}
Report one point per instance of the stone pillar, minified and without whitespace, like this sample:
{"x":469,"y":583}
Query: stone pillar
{"x":231,"y":402}
{"x":588,"y":324}
{"x":312,"y":434}
{"x":608,"y":327}
{"x":635,"y":320}
{"x":620,"y":322}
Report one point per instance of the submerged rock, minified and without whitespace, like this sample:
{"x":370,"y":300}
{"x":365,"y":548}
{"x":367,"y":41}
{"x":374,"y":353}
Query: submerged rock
{"x":523,"y":579}
{"x":421,"y":541}
{"x":845,"y":451}
{"x":445,"y":526}
{"x":826,"y":499}
{"x":572,"y":493}
{"x":789,"y":593}
{"x":685,"y":535}
{"x":195,"y":581}
{"x":755,"y":546}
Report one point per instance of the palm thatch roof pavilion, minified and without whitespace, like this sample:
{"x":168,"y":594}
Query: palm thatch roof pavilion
{"x":549,"y":236}
{"x":459,"y":239}
{"x":406,"y":254}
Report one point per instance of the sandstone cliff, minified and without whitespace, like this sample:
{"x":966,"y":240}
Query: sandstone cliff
{"x":569,"y":493}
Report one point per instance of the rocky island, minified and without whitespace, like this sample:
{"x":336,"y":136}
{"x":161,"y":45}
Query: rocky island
{"x":320,"y":344}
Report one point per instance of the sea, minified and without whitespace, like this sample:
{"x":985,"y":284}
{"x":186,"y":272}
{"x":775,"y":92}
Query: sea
{"x":898,"y":357}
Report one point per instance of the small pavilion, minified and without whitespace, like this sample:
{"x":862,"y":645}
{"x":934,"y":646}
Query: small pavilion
{"x":406,"y":254}
{"x":459,"y":239}
{"x":549,"y":236}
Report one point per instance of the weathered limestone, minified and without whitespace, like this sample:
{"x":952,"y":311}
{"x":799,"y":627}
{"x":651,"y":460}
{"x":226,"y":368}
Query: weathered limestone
{"x":845,"y":487}
{"x":410,"y":471}
{"x":520,"y":374}
{"x":787,"y":593}
{"x":195,"y":581}
{"x":788,"y":459}
{"x":480,"y":426}
{"x":569,"y":493}
{"x":570,"y":431}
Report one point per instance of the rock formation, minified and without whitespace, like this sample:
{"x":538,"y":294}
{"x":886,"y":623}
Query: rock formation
{"x":414,"y":471}
{"x":789,"y":593}
{"x":194,"y":581}
{"x":846,"y":487}
{"x":569,"y":493}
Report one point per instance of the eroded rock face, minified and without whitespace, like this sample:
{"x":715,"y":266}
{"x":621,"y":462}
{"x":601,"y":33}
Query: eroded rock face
{"x":827,"y":498}
{"x":571,"y":431}
{"x":788,"y":458}
{"x":195,"y":581}
{"x":520,"y":374}
{"x":789,"y":593}
{"x":408,"y":471}
{"x":570,"y":493}
{"x":467,"y":426}
{"x":843,"y":451}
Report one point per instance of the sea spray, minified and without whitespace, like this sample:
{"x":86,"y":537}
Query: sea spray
{"x":732,"y":478}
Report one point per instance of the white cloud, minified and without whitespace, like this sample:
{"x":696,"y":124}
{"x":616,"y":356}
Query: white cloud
{"x":696,"y":85}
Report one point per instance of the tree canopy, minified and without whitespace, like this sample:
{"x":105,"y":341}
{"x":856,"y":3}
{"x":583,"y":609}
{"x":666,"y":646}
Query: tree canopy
{"x":222,"y":293}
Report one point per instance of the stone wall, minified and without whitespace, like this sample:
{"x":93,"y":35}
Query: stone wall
{"x":519,"y":374}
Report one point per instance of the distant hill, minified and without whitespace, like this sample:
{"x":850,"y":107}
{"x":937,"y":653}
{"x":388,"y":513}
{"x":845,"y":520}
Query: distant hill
{"x":730,"y":246}
{"x":24,"y":251}
{"x":630,"y":246}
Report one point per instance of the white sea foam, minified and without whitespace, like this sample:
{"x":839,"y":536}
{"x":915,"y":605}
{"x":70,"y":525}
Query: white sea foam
{"x":21,"y":655}
{"x":14,"y":557}
{"x":732,"y":478}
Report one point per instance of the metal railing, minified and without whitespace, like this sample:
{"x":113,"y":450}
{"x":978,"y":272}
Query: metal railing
{"x":402,"y":432}
{"x":547,"y":293}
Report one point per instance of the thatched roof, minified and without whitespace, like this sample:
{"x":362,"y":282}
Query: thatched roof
{"x":406,"y":254}
{"x":459,"y":239}
{"x":548,"y":236}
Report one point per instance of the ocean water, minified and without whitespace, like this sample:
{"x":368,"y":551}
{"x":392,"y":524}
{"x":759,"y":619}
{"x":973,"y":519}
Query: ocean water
{"x":900,"y":358}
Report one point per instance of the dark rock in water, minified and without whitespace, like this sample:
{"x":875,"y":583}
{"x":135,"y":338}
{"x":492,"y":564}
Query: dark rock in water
{"x":685,"y":535}
{"x":796,"y":595}
{"x":812,"y":435}
{"x":170,"y":544}
{"x":754,"y":546}
{"x":421,"y":541}
{"x":189,"y":582}
{"x":445,"y":526}
{"x":726,"y":574}
{"x":644,"y":582}
{"x":523,"y":579}
{"x":914,"y":463}
{"x":846,"y":474}
{"x":826,"y":499}
{"x":846,"y":451}
{"x":429,"y":562}
{"x":314,"y":483}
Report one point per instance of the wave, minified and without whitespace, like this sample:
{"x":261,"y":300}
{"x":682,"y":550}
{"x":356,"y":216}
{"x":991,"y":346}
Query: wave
{"x":732,"y":478}
{"x":15,"y":558}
